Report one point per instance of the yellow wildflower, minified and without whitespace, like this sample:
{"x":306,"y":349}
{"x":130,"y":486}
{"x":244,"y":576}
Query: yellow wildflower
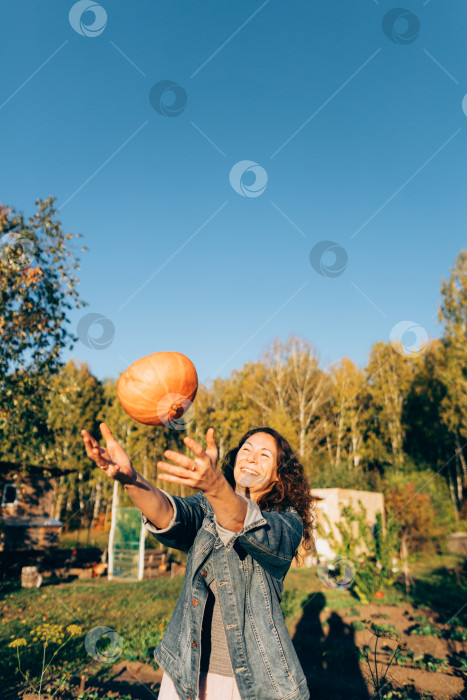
{"x":18,"y":643}
{"x":74,"y":630}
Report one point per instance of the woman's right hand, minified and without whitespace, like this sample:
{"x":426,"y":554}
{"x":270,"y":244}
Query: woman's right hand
{"x":112,"y":458}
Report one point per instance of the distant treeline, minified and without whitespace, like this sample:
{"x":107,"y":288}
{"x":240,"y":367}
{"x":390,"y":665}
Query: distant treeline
{"x":399,"y":423}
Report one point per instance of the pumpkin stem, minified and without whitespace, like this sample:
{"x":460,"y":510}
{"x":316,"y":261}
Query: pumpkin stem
{"x":177,"y":410}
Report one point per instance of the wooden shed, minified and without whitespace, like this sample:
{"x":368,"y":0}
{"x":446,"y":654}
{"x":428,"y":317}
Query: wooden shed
{"x":27,"y":494}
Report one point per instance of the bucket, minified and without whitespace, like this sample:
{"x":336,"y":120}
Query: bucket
{"x":30,"y":577}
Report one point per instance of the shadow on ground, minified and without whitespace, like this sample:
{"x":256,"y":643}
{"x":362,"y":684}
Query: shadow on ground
{"x":330,"y":661}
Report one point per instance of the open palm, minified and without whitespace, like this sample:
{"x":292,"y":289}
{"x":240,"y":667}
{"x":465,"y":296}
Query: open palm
{"x":112,"y":458}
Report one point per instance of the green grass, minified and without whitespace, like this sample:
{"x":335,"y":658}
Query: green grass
{"x":306,"y":582}
{"x":138,"y":612}
{"x":440,"y":586}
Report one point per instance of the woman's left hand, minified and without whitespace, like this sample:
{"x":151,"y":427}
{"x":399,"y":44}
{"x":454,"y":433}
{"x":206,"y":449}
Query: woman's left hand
{"x":199,"y":472}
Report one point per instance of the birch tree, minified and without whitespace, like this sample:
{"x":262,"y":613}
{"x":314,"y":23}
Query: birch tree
{"x":452,"y":366}
{"x":348,"y":411}
{"x":295,"y":385}
{"x":390,"y":375}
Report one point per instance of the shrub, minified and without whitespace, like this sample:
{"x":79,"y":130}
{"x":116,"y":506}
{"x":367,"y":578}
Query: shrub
{"x":421,"y":505}
{"x":371,"y":550}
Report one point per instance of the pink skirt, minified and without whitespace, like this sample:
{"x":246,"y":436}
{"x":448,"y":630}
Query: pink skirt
{"x":212,"y":686}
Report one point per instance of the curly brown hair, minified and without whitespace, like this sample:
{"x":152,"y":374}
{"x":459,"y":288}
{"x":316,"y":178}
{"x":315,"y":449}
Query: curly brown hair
{"x":291,"y":489}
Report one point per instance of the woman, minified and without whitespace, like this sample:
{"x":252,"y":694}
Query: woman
{"x":227,"y":638}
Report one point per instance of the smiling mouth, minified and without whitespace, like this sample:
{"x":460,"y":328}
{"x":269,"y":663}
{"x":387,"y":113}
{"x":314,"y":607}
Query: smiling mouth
{"x":246,"y":470}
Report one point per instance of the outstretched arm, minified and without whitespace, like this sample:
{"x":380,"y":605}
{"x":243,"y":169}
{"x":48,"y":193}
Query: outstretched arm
{"x":202,"y":472}
{"x":114,"y":461}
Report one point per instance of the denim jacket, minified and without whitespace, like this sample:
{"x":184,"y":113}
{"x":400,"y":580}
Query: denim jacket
{"x":249,"y":567}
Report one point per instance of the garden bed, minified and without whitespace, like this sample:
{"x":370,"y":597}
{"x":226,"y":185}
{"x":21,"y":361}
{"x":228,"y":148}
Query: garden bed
{"x":326,"y":626}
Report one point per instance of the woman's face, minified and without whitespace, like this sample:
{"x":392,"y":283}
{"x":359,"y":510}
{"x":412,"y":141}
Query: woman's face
{"x":255,"y":470}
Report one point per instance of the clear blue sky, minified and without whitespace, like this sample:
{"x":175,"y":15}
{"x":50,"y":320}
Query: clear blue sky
{"x":361,"y":134}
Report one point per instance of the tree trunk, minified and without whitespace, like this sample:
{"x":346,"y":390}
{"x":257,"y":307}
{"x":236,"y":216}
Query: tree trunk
{"x":302,"y":430}
{"x":453,"y":494}
{"x":328,"y":443}
{"x":97,"y":502}
{"x":108,"y":507}
{"x":355,"y":456}
{"x":60,"y":498}
{"x":80,"y":491}
{"x":221,"y":448}
{"x":460,"y":452}
{"x":339,"y":439}
{"x":404,"y":560}
{"x":459,"y":485}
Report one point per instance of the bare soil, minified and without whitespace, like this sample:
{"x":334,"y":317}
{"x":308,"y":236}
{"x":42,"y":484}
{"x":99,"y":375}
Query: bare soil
{"x":325,"y":642}
{"x":325,"y":645}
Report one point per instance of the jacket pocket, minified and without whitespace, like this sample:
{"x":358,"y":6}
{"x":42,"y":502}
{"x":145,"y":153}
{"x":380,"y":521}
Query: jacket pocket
{"x":167,"y":652}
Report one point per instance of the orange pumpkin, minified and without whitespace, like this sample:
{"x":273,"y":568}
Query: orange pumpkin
{"x":159,"y":388}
